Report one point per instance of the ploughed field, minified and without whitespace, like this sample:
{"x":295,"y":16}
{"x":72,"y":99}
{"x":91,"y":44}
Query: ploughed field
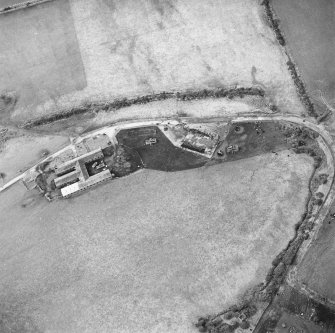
{"x":149,"y":252}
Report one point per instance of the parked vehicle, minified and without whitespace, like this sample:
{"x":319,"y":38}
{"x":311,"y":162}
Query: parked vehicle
{"x":150,"y":141}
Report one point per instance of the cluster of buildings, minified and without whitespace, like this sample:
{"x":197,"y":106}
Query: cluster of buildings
{"x":89,"y":161}
{"x":201,"y":142}
{"x":74,"y":169}
{"x":86,"y":169}
{"x":81,"y":172}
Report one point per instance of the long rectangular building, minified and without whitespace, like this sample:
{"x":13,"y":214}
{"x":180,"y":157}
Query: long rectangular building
{"x":83,"y":185}
{"x":70,"y":165}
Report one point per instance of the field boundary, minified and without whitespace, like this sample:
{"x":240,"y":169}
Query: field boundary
{"x":21,"y":5}
{"x":117,"y":104}
{"x":274,"y":23}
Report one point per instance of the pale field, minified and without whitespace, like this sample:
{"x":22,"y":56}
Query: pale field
{"x":5,"y":3}
{"x":146,"y":253}
{"x":39,"y":55}
{"x":104,"y":49}
{"x":21,"y":153}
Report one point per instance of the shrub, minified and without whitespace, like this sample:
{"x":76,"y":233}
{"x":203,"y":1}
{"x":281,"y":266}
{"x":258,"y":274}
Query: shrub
{"x":228,"y":315}
{"x":323,"y":178}
{"x":245,"y":324}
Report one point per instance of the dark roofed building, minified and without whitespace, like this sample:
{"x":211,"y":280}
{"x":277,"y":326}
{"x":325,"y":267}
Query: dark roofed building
{"x":67,"y":179}
{"x":71,"y":165}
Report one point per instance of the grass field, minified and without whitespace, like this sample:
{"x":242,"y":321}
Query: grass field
{"x":317,"y":269}
{"x":149,"y":252}
{"x":220,"y":107}
{"x":102,"y":50}
{"x":23,"y":152}
{"x":40,"y":58}
{"x":256,"y":139}
{"x":292,"y":311}
{"x":308,"y":27}
{"x":163,"y":155}
{"x":5,"y":3}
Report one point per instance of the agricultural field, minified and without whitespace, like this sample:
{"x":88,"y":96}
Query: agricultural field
{"x":180,"y":235}
{"x":40,"y":57}
{"x":149,"y":252}
{"x":95,"y":50}
{"x":5,"y":3}
{"x":308,"y":28}
{"x":317,"y":269}
{"x":292,"y":311}
{"x":20,"y":153}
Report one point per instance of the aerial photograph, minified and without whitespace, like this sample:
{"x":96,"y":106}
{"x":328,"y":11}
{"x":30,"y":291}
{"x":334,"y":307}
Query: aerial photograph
{"x":167,"y":166}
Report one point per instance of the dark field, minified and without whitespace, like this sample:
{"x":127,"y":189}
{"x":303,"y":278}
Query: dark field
{"x":308,"y":26}
{"x":40,"y":57}
{"x":163,"y":155}
{"x":298,"y":313}
{"x":254,"y":139}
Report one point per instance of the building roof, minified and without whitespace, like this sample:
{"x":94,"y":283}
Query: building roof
{"x":91,"y":143}
{"x":68,"y":165}
{"x":82,"y":185}
{"x":68,"y":190}
{"x":67,"y":178}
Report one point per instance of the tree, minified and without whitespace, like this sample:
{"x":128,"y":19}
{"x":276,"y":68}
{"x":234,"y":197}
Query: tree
{"x":2,"y":176}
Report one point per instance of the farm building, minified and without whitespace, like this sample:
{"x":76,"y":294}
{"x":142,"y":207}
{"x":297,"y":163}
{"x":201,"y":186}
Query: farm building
{"x":83,"y":185}
{"x":81,"y":172}
{"x":92,"y":143}
{"x":200,"y":142}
